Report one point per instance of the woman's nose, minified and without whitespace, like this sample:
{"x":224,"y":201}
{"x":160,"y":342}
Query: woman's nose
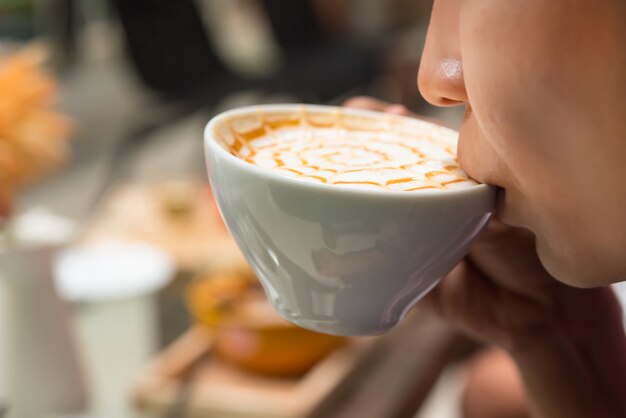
{"x":440,"y":78}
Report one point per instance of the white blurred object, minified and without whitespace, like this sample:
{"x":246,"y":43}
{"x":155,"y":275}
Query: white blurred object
{"x":119,"y":280}
{"x":111,"y":270}
{"x":38,"y":227}
{"x":40,"y":361}
{"x":242,"y":35}
{"x":444,"y":399}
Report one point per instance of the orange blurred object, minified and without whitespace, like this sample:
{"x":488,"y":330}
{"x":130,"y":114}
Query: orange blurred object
{"x":33,"y":137}
{"x":248,"y":332}
{"x":5,"y":202}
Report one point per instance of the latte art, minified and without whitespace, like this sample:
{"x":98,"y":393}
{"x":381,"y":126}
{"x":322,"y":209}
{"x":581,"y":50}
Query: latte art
{"x":343,"y":150}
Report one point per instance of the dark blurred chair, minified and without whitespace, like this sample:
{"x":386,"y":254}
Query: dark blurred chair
{"x":173,"y":55}
{"x":169,"y":49}
{"x":314,"y":59}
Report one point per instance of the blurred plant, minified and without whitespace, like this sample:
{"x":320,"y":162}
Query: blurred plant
{"x":33,"y":137}
{"x":18,"y":18}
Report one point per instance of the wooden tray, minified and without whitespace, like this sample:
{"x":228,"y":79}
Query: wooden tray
{"x":220,"y":390}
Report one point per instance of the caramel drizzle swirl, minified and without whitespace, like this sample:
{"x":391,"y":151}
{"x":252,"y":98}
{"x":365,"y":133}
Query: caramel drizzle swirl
{"x":268,"y":126}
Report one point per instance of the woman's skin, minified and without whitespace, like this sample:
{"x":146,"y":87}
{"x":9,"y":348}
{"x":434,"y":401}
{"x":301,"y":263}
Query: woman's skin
{"x":544,"y":83}
{"x":493,"y":387}
{"x":544,"y":87}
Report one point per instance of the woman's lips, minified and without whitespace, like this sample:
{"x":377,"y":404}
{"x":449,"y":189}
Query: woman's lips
{"x":469,"y":136}
{"x":483,"y":164}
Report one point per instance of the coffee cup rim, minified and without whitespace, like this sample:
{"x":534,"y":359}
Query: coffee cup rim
{"x":212,"y":146}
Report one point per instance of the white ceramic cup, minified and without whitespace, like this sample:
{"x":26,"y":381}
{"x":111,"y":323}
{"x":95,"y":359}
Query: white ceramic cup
{"x":336,"y":260}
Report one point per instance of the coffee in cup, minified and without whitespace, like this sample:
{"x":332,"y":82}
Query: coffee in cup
{"x":347,"y":151}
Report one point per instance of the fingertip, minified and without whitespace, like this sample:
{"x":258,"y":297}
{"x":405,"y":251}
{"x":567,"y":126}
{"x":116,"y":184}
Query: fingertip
{"x":360,"y":102}
{"x":398,"y":109}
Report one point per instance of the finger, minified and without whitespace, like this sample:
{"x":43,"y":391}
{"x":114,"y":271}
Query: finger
{"x":368,"y":103}
{"x":508,"y":257}
{"x":467,"y":299}
{"x":398,"y":109}
{"x":484,"y":310}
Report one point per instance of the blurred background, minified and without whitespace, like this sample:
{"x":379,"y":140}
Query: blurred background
{"x":122,"y":293}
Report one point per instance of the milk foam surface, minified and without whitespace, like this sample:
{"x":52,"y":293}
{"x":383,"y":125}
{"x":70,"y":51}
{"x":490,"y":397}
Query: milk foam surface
{"x":343,"y":150}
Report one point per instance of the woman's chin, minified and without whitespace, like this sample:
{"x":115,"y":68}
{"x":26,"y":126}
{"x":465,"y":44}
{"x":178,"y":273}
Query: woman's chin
{"x":575,"y":269}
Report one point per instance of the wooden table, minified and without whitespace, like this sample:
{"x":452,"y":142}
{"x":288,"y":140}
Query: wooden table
{"x":404,"y":365}
{"x":387,"y":376}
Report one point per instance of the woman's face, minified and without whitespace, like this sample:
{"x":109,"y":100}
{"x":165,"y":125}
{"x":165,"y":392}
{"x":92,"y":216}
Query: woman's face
{"x":544,"y":84}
